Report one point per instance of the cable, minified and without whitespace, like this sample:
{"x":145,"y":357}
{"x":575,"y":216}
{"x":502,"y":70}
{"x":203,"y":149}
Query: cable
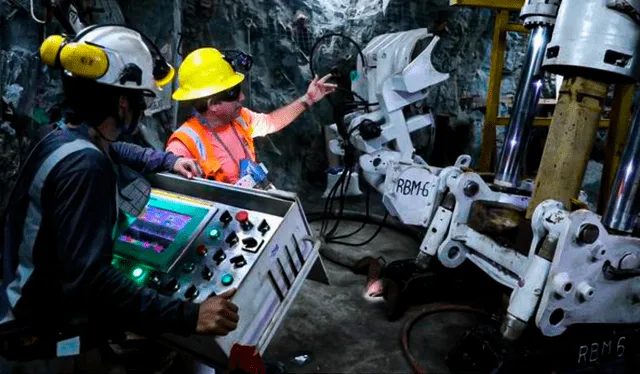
{"x":315,"y":45}
{"x":429,"y":309}
{"x":375,"y":234}
{"x":33,"y":14}
{"x":352,"y":216}
{"x":364,"y":222}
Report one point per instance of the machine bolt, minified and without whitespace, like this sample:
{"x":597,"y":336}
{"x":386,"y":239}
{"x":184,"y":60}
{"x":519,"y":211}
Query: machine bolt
{"x":585,"y":291}
{"x":598,"y":252}
{"x":471,"y":189}
{"x":588,"y":234}
{"x":562,"y":285}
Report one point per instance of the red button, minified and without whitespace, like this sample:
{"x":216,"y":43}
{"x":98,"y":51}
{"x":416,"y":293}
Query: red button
{"x":202,"y":250}
{"x":242,"y":216}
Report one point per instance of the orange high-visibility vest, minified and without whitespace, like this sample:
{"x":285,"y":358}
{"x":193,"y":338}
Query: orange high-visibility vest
{"x":193,"y":135}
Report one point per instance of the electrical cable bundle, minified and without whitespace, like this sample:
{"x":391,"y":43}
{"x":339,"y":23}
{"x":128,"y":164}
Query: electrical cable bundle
{"x":350,"y":102}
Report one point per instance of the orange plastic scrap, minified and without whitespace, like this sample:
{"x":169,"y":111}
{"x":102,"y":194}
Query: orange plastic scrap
{"x":245,"y":359}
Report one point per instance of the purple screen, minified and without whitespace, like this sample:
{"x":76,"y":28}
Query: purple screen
{"x":155,"y":229}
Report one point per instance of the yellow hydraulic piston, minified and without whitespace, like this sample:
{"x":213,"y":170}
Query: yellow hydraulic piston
{"x":568,"y":146}
{"x":594,"y":44}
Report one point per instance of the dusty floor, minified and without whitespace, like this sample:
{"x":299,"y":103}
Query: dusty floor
{"x":343,"y":331}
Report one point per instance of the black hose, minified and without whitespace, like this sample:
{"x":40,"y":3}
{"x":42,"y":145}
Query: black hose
{"x":315,"y":45}
{"x":413,"y":233}
{"x":429,"y":309}
{"x":380,"y":226}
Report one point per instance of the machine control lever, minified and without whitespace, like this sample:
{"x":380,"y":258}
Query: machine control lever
{"x":225,"y":218}
{"x":232,"y":239}
{"x":219,"y":256}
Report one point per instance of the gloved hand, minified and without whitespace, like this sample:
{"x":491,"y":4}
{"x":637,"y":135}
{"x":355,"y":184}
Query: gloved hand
{"x":318,"y":89}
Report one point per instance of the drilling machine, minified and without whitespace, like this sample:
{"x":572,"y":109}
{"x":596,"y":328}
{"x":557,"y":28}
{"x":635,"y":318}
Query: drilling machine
{"x":467,"y":217}
{"x":578,"y":281}
{"x":395,"y":84}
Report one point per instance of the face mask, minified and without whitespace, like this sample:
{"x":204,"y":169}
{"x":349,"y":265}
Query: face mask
{"x":138,"y":105}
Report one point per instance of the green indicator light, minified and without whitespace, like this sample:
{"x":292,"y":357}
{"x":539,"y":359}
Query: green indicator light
{"x":227,"y":279}
{"x":114,"y":261}
{"x":137,"y":272}
{"x":214,"y":234}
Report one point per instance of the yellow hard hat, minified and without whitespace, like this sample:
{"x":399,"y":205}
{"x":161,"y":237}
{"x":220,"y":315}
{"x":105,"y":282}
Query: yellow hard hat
{"x":205,"y":72}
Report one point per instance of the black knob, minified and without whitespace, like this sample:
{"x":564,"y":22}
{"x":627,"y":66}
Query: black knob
{"x":207,"y":273}
{"x":226,"y":217}
{"x":238,"y":261}
{"x":264,"y":227}
{"x":171,"y":285}
{"x":191,"y":292}
{"x":219,"y":256}
{"x":232,"y":239}
{"x":155,"y":281}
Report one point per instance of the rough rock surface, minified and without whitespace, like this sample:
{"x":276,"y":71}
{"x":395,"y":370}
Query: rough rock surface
{"x":280,"y":35}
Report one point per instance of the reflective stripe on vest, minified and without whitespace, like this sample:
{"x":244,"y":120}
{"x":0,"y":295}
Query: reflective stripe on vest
{"x":196,"y":139}
{"x":33,"y":220}
{"x":195,"y":131}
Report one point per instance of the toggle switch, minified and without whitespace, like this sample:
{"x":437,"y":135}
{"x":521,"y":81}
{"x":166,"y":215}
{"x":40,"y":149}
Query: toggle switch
{"x":264,"y":227}
{"x":232,"y":239}
{"x":219,"y":256}
{"x":238,"y":261}
{"x":225,"y":218}
{"x":171,"y":285}
{"x":191,"y":292}
{"x":207,"y":274}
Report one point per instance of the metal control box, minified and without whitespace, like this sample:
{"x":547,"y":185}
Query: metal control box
{"x":198,"y":238}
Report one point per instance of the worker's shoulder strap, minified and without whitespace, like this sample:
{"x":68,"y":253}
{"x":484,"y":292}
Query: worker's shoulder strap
{"x":192,"y":134}
{"x":54,"y":158}
{"x":243,"y":121}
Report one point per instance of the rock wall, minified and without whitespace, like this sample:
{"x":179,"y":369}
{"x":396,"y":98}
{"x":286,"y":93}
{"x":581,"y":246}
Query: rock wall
{"x":280,"y":35}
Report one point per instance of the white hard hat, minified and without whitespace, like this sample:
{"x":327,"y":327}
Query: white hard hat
{"x":113,"y":55}
{"x":129,"y":57}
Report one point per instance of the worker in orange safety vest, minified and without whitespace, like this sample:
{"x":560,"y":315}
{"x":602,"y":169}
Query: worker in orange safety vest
{"x":220,"y":133}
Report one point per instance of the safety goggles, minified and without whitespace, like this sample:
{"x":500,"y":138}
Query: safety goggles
{"x":229,"y":95}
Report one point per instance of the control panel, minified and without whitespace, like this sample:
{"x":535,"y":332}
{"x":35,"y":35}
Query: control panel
{"x":197,"y":238}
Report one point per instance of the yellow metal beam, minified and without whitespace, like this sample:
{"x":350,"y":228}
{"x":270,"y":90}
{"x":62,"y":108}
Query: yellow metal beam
{"x":544,"y":122}
{"x":516,"y":27}
{"x":490,"y":4}
{"x":488,"y":141}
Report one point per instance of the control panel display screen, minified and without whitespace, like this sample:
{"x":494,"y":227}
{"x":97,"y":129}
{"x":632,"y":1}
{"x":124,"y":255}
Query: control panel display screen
{"x":155,"y":229}
{"x":161,"y":232}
